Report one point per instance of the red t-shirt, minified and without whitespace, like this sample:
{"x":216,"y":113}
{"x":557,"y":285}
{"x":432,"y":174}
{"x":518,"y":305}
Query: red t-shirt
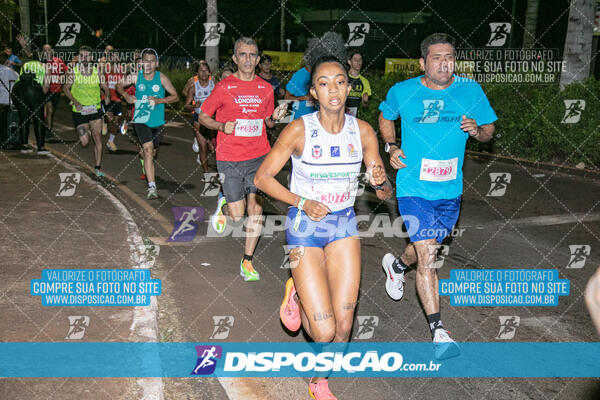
{"x":55,"y":69}
{"x":249,"y":103}
{"x":112,"y":76}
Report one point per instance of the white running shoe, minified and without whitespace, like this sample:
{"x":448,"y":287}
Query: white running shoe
{"x":394,"y":282}
{"x":195,"y":146}
{"x":218,"y":219}
{"x":444,"y":346}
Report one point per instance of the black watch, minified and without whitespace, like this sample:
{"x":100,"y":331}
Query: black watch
{"x":388,"y":146}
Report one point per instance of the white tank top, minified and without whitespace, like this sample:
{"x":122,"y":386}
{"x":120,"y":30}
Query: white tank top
{"x":327,"y":171}
{"x":201,"y":93}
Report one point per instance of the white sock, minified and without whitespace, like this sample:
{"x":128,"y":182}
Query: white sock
{"x":111,"y":137}
{"x":152,"y":185}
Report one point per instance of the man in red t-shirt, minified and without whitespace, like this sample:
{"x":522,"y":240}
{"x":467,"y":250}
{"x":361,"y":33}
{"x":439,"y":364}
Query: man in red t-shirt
{"x":243,"y":103}
{"x":55,"y":68}
{"x":112,"y":111}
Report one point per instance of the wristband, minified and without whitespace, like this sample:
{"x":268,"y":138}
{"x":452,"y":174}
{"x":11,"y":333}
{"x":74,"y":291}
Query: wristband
{"x":297,"y":219}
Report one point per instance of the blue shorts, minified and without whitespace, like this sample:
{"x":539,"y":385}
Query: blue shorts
{"x":429,"y":219}
{"x":337,"y":225}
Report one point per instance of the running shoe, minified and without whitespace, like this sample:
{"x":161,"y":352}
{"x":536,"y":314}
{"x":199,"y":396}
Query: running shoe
{"x":195,"y":146}
{"x":26,"y":149}
{"x":42,"y":151}
{"x":98,"y":173}
{"x":443,"y":344}
{"x":248,"y":271}
{"x":124,"y":127}
{"x":320,"y":390}
{"x":289,"y":311}
{"x":394,"y":282}
{"x":152,"y":194}
{"x":111,"y":146}
{"x":218,"y":219}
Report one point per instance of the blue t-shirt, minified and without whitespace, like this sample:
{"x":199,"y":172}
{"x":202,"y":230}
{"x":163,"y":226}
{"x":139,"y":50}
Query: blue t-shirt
{"x":298,"y":86}
{"x":432,"y":140}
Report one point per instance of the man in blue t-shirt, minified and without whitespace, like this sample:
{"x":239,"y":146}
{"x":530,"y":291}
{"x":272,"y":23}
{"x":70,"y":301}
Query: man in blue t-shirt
{"x":298,"y":89}
{"x":439,"y":112}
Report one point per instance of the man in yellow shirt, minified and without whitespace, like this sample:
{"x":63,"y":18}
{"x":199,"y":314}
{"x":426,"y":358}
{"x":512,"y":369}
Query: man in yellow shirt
{"x":361,"y":90}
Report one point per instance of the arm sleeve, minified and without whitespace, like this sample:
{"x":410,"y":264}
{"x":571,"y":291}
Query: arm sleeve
{"x":389,"y":107}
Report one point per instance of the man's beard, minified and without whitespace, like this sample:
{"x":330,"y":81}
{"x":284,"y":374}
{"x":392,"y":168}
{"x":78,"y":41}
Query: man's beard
{"x":437,"y":81}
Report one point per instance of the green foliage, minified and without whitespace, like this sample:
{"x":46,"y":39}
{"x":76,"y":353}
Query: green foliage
{"x":529,"y":117}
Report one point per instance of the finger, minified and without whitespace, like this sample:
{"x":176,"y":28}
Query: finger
{"x":464,"y":117}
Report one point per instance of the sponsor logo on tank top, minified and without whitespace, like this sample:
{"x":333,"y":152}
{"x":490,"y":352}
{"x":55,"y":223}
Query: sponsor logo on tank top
{"x":142,"y":87}
{"x":155,"y":88}
{"x":352,"y":151}
{"x":316,"y":152}
{"x":314,"y":133}
{"x":335,"y":151}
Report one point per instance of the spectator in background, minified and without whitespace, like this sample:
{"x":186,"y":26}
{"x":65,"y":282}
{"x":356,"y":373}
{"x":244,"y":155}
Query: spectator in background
{"x":264,"y":68}
{"x":7,"y":79}
{"x":55,"y":69}
{"x":361,"y":90}
{"x":13,"y":60}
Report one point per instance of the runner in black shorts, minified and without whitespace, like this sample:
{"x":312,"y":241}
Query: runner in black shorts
{"x":82,"y":87}
{"x":151,"y":87}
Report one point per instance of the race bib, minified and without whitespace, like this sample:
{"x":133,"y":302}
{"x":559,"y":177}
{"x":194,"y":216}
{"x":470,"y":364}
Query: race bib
{"x":87,"y":110}
{"x":248,"y":127}
{"x":333,"y":192}
{"x":438,"y":170}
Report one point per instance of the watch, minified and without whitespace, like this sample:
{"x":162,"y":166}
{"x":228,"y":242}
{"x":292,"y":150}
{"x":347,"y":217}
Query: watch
{"x":388,"y":146}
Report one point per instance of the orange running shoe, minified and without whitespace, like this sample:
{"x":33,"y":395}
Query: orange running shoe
{"x":320,"y":390}
{"x":289,"y":311}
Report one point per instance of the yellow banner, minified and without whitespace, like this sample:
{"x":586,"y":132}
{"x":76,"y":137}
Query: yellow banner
{"x":401,"y":64}
{"x":412,"y":65}
{"x":284,"y":61}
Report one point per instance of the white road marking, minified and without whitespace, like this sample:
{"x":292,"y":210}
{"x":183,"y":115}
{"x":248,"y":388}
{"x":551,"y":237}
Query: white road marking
{"x":144,"y":326}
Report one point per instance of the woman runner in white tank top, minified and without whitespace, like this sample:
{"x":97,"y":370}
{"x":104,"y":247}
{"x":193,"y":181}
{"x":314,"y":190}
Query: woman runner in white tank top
{"x":198,"y":93}
{"x":326,"y":148}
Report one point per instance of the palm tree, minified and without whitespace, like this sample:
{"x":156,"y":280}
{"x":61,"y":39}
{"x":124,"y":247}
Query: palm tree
{"x":212,"y":52}
{"x":578,"y":44}
{"x":531,"y":18}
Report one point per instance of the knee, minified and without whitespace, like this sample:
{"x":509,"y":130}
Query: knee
{"x":254,"y":208}
{"x":343,"y":328}
{"x":148,"y":151}
{"x":323,"y":332}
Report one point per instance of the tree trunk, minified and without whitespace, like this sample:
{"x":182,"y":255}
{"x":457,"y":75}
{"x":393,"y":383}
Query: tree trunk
{"x":25,"y":21}
{"x":282,"y":24}
{"x":578,"y":44}
{"x":212,"y":52}
{"x":531,"y":18}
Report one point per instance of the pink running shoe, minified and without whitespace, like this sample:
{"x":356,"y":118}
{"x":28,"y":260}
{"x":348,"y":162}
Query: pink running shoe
{"x":320,"y":391}
{"x":289,"y":311}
